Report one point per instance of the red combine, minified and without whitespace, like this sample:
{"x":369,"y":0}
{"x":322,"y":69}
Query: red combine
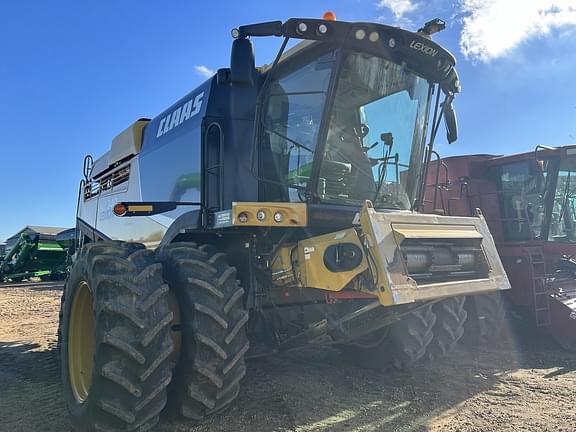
{"x":529,"y":202}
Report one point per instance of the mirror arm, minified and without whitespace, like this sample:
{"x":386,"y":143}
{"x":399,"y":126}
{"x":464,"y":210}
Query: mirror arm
{"x":450,"y":119}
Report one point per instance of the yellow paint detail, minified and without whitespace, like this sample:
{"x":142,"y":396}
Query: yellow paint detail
{"x":374,"y":237}
{"x":428,"y":231}
{"x":140,"y":208}
{"x":282,"y":270}
{"x":384,"y":233}
{"x":292,"y":214}
{"x":81,"y":343}
{"x":303,"y":264}
{"x":312,"y":271}
{"x":128,"y":142}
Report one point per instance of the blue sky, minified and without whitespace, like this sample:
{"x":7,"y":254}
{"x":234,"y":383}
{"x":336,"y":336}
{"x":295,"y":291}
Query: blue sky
{"x":74,"y":74}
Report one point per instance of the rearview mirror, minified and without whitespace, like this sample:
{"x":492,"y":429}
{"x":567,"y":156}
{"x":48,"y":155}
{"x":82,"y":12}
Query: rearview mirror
{"x":451,"y":122}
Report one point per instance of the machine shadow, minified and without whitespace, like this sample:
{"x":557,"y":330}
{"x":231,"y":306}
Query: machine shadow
{"x":28,"y":361}
{"x":315,"y":389}
{"x":30,"y":389}
{"x":319,"y":390}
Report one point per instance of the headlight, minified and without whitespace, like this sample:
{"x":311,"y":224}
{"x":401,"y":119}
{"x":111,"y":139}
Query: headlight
{"x":243,"y":217}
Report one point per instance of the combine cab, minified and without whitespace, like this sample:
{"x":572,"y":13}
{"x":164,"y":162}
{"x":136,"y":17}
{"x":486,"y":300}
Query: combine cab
{"x":273,"y":205}
{"x":529,"y":202}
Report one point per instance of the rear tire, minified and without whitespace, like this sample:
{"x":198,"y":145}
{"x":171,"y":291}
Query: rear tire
{"x":211,"y":362}
{"x":402,"y":347}
{"x":115,"y":340}
{"x":449,"y":327}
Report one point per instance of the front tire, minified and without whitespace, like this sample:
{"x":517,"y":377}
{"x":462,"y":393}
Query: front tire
{"x":401,"y":347}
{"x":213,"y":319}
{"x":115,"y":340}
{"x":486,"y":323}
{"x":449,"y":327}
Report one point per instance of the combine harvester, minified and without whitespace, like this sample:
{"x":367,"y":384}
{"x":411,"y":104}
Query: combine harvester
{"x":529,"y":202}
{"x":35,"y":252}
{"x":270,"y":204}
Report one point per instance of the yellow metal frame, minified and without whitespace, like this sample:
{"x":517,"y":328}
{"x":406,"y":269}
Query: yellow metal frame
{"x":385,"y":231}
{"x":379,"y":236}
{"x":313,"y":273}
{"x":128,"y":142}
{"x":81,"y":342}
{"x":293,"y":214}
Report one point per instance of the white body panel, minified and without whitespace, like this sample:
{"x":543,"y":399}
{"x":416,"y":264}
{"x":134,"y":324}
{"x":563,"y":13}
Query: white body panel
{"x":97,"y":212}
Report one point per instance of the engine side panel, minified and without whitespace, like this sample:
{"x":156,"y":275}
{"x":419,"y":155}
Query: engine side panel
{"x":99,"y":220}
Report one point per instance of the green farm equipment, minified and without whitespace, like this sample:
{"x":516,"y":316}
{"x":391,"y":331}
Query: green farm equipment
{"x":33,"y":256}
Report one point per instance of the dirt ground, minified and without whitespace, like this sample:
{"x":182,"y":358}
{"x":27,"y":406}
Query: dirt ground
{"x":528,"y":384}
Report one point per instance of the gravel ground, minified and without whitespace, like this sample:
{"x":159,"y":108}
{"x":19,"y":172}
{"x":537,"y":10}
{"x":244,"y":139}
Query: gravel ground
{"x":527,"y":384}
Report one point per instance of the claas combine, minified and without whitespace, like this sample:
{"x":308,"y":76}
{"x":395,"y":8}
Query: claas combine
{"x":270,"y":209}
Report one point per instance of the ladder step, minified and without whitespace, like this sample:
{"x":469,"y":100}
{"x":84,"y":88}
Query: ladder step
{"x":540,"y":280}
{"x":543,"y":292}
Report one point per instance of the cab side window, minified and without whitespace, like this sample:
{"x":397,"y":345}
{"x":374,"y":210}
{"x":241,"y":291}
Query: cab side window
{"x":522,"y":188}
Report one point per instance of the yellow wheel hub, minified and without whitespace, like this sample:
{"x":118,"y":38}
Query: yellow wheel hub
{"x":81,"y":344}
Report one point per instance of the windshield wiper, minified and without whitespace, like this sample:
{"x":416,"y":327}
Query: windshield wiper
{"x":296,"y":143}
{"x":297,"y":187}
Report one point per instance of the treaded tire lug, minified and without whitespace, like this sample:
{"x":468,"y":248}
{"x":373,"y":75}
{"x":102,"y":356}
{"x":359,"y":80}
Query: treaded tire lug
{"x":486,"y":323}
{"x":449,"y":327}
{"x":131,"y":371}
{"x":213,"y":319}
{"x":403,"y":346}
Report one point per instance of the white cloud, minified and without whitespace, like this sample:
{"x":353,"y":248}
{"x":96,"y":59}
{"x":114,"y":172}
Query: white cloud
{"x":204,"y":71}
{"x":492,"y":28}
{"x":398,"y":7}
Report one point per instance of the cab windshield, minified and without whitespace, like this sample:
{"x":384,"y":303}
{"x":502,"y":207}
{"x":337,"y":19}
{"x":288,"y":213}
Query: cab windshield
{"x":538,"y":199}
{"x":563,"y":214}
{"x":374,"y":145}
{"x":373,"y":142}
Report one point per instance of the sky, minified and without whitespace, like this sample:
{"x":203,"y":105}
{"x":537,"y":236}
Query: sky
{"x":75,"y":74}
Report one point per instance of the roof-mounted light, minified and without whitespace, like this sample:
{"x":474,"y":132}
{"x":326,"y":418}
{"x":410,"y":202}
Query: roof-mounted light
{"x":360,"y":34}
{"x":329,"y":16}
{"x":302,"y":28}
{"x":322,"y":29}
